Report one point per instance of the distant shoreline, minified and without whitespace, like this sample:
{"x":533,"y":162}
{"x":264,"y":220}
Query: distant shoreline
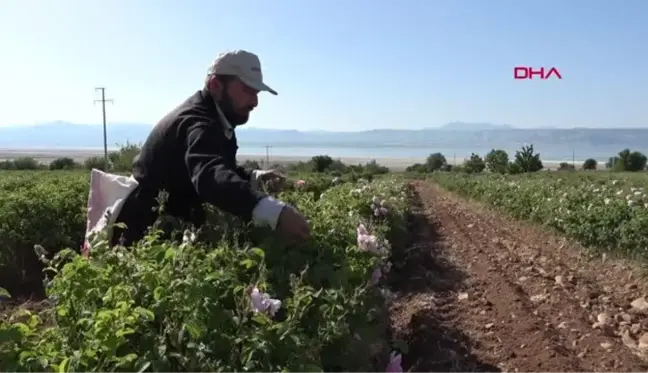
{"x":46,"y":156}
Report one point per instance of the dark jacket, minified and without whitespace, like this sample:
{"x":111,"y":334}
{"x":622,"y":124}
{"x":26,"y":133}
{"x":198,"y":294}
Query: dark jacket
{"x":191,"y":155}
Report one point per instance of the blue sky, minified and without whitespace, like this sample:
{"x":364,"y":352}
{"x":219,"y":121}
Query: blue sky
{"x":337,"y":65}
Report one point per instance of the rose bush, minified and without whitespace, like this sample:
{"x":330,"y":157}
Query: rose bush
{"x":37,"y":207}
{"x":49,"y":208}
{"x":230,"y":297}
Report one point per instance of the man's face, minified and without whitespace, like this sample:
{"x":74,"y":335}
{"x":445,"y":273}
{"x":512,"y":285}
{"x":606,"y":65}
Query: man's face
{"x":237,"y":100}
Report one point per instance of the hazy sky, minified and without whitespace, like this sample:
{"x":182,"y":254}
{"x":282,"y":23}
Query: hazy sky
{"x":337,"y":65}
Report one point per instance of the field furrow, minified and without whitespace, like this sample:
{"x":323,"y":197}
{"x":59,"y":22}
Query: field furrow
{"x":482,"y":292}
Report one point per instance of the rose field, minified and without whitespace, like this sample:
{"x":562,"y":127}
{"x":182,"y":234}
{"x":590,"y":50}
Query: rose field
{"x":440,"y":272}
{"x":228,"y":298}
{"x":602,"y":210}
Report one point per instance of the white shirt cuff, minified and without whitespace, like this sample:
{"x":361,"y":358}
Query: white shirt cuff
{"x":267,"y":211}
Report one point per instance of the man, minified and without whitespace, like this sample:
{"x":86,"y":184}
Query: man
{"x":191,"y":154}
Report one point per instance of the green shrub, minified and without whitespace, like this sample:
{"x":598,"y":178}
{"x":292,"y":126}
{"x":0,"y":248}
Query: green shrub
{"x":95,"y":162}
{"x":166,"y":306}
{"x":21,"y":163}
{"x":65,"y":163}
{"x":122,"y":159}
{"x":564,"y":166}
{"x":474,"y":165}
{"x":44,"y":207}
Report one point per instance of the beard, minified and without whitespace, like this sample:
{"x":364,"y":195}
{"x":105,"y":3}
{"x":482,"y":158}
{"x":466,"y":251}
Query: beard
{"x":227,"y":106}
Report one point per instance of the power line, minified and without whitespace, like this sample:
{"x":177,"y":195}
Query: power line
{"x":103,"y":110}
{"x":267,"y":165}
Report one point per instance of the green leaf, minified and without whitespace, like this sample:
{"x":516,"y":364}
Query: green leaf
{"x":21,"y":328}
{"x":124,"y":332}
{"x":195,"y":331}
{"x":248,"y":263}
{"x":145,"y":313}
{"x":170,"y":253}
{"x":63,"y":367}
{"x":257,"y":251}
{"x":144,"y":367}
{"x":260,"y":319}
{"x":4,"y":293}
{"x":157,"y":293}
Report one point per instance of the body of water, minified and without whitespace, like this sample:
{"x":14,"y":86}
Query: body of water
{"x":558,"y":152}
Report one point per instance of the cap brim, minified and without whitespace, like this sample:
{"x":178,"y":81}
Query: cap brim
{"x":259,"y":86}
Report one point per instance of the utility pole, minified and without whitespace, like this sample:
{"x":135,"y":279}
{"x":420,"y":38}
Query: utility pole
{"x":103,"y":110}
{"x":267,"y":165}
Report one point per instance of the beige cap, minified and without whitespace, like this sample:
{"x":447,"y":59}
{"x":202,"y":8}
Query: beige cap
{"x":245,"y":65}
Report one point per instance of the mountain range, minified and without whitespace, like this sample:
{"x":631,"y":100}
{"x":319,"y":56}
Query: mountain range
{"x":560,"y":143}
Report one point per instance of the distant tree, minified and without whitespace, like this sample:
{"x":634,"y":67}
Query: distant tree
{"x":526,"y":161}
{"x":301,"y":166}
{"x":514,"y":169}
{"x":7,"y":165}
{"x":374,"y":168}
{"x":590,"y":164}
{"x":65,"y":163}
{"x":612,"y":161}
{"x":122,"y":159}
{"x":20,"y":163}
{"x":448,"y":168}
{"x":251,"y":164}
{"x":564,"y":166}
{"x":627,"y":160}
{"x":337,"y":166}
{"x":497,"y":161}
{"x":637,"y":161}
{"x":417,"y":168}
{"x":435,"y":162}
{"x":475,"y":164}
{"x":631,"y":161}
{"x":321,"y":163}
{"x":95,"y":162}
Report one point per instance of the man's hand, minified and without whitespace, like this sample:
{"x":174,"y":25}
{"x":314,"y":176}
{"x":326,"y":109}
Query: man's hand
{"x":272,"y":180}
{"x":292,"y":225}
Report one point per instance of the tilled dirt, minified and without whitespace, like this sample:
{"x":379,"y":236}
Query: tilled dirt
{"x":476,"y":291}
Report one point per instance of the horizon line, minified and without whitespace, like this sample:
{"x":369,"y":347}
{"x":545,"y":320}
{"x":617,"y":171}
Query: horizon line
{"x":440,"y":127}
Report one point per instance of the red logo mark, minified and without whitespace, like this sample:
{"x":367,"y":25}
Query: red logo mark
{"x":522,"y":72}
